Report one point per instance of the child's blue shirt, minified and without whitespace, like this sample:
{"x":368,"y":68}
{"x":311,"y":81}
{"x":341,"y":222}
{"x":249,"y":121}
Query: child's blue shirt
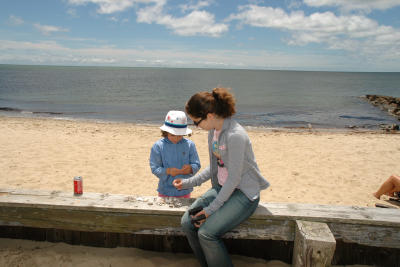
{"x":165,"y":154}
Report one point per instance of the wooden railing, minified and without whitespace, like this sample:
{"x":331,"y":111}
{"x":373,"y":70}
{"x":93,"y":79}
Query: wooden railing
{"x":313,"y":228}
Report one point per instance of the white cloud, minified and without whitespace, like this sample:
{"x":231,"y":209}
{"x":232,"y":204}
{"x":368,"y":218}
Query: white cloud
{"x":326,"y":22}
{"x":195,"y":6}
{"x":294,"y":4}
{"x":114,"y":19}
{"x":151,"y":13}
{"x":111,"y":6}
{"x":350,"y":32}
{"x":15,"y":52}
{"x":197,"y":22}
{"x":14,"y":20}
{"x":366,"y":5}
{"x":50,"y":52}
{"x":48,"y":29}
{"x":72,"y":12}
{"x":19,"y":45}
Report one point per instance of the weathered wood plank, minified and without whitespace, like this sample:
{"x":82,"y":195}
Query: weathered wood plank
{"x":328,"y":213}
{"x":314,"y":245}
{"x":369,"y":235}
{"x":153,"y":205}
{"x":119,"y":222}
{"x":149,"y":215}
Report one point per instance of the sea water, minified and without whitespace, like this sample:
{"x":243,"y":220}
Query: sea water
{"x":265,"y":98}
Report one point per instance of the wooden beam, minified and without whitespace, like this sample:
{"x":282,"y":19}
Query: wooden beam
{"x":314,"y":245}
{"x":151,"y":215}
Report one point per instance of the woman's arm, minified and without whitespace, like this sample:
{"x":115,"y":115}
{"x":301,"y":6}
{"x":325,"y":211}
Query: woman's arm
{"x":197,"y":180}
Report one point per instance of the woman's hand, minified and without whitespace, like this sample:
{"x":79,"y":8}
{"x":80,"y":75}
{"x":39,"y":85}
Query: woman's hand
{"x":177,"y":183}
{"x":199,"y":223}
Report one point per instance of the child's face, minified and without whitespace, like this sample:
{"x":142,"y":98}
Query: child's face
{"x":174,"y":138}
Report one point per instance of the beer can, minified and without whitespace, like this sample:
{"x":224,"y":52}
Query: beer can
{"x":78,"y":185}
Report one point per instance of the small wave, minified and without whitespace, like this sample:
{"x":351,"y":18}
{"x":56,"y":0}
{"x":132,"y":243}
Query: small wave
{"x":361,"y":118}
{"x":10,"y":109}
{"x":47,"y":112}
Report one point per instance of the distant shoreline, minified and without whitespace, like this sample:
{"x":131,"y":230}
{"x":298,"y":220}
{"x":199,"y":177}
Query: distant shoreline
{"x":194,"y":68}
{"x":258,"y":128}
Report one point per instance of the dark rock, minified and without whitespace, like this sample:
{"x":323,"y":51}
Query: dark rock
{"x":388,"y":103}
{"x":351,"y":126}
{"x":389,"y":128}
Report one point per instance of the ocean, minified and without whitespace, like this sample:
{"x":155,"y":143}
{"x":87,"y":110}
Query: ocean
{"x":265,"y":98}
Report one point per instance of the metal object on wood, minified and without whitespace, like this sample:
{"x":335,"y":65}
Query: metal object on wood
{"x":314,"y":245}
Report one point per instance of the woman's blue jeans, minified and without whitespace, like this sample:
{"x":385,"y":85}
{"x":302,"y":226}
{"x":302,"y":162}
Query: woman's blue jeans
{"x":206,"y":241}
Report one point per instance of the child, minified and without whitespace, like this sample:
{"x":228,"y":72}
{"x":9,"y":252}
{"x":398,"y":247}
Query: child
{"x":173,"y":156}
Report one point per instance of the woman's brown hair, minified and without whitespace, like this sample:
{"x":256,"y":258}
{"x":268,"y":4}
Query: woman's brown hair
{"x":220,"y":102}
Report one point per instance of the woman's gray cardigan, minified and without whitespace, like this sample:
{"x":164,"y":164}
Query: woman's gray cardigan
{"x":238,"y":157}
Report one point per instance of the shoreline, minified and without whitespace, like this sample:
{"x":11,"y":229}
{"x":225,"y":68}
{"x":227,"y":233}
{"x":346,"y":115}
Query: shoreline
{"x":332,"y":168}
{"x":261,"y":128}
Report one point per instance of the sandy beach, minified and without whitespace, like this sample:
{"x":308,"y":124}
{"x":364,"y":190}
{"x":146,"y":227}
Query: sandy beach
{"x":335,"y":168}
{"x":324,"y":167}
{"x":25,"y":253}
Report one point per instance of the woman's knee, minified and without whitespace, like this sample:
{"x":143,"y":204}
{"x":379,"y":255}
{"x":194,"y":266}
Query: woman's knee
{"x":206,"y":235}
{"x":186,"y":223}
{"x":395,"y":180}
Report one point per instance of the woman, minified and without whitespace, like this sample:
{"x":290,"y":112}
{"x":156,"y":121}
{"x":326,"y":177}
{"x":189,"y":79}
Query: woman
{"x":235,"y":177}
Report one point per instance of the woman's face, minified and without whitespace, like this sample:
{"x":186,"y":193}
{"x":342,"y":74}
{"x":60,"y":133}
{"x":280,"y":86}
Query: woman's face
{"x":203,"y":123}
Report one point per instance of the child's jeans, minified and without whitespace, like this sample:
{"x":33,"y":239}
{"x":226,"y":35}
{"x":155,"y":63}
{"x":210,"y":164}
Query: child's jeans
{"x":206,"y":241}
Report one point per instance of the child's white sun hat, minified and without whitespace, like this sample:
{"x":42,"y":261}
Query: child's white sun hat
{"x":176,"y":123}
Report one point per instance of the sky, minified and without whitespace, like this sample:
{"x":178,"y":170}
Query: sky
{"x":325,"y":35}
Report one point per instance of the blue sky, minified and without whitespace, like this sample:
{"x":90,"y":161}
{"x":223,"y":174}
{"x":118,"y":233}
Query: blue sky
{"x":333,"y":35}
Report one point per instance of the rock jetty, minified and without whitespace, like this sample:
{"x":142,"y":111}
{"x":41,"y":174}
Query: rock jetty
{"x":390,"y":104}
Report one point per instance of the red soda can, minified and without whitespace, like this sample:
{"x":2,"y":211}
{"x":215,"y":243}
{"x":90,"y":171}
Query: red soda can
{"x":78,"y":186}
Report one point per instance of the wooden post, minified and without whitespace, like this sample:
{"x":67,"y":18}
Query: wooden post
{"x":314,"y":244}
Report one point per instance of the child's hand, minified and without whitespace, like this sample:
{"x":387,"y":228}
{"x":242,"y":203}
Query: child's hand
{"x":173,"y":171}
{"x":177,"y":183}
{"x":187,"y":169}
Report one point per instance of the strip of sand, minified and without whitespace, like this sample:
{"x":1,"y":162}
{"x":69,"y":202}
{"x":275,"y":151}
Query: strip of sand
{"x":44,"y":254}
{"x":336,"y":168}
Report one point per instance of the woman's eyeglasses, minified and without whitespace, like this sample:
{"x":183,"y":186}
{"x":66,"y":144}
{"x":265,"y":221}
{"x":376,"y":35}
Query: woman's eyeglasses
{"x":196,"y":123}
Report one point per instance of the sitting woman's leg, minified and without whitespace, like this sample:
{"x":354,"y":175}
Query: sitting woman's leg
{"x":191,"y":231}
{"x":391,"y":185}
{"x":234,"y":211}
